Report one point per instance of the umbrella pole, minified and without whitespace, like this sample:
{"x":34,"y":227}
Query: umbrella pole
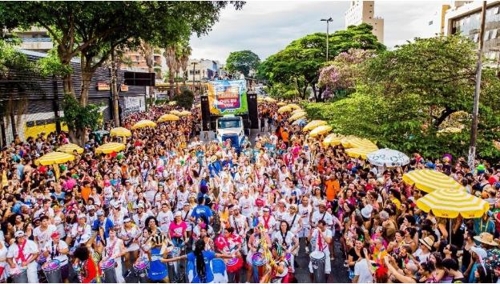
{"x":449,"y":231}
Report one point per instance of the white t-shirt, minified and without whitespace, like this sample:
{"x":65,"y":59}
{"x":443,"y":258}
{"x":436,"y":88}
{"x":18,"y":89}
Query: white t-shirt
{"x":362,"y":270}
{"x":30,"y":248}
{"x":44,"y":236}
{"x":53,"y":248}
{"x":315,"y":241}
{"x":318,"y":216}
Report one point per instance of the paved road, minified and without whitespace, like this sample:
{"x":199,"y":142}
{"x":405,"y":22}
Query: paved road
{"x":339,"y":272}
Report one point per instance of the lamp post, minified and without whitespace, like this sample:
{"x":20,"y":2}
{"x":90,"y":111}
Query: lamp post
{"x":194,"y":71}
{"x":328,"y":21}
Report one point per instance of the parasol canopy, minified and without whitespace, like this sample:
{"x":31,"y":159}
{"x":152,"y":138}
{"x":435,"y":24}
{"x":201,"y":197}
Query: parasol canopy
{"x":284,"y":109}
{"x":120,"y":132}
{"x":320,"y":130}
{"x":54,"y":158}
{"x":388,"y":158}
{"x":69,"y":148}
{"x":449,"y":203}
{"x":109,"y":148}
{"x":359,"y":153}
{"x":332,"y":140}
{"x":168,"y":117}
{"x":313,"y":124}
{"x":431,"y":180}
{"x":143,"y":124}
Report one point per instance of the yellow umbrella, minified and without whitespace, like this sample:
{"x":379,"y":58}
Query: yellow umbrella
{"x":69,"y":148}
{"x":449,"y":203}
{"x":296,"y":116}
{"x":176,"y":112}
{"x":284,"y":109}
{"x":297,"y":111}
{"x":313,"y":124}
{"x":294,"y":106}
{"x":332,"y":140}
{"x":110,"y":148}
{"x":185,"y":113}
{"x":120,"y":132}
{"x":359,"y":152}
{"x":280,"y":104}
{"x":269,"y":100}
{"x":143,"y":124}
{"x":54,"y":158}
{"x":320,"y":130}
{"x":355,"y":142}
{"x":431,"y":180}
{"x":172,"y":103}
{"x":168,"y":117}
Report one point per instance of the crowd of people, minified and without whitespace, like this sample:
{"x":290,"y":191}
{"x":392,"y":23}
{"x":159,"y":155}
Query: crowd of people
{"x":171,"y":197}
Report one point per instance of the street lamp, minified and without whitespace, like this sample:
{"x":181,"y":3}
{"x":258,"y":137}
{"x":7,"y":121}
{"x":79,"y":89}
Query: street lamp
{"x":328,"y":21}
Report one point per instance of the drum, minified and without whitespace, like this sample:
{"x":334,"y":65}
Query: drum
{"x":108,"y":270}
{"x":259,"y":266}
{"x":234,"y":264}
{"x":19,"y":275}
{"x":52,"y":270}
{"x":141,"y":267}
{"x":288,"y":258}
{"x":318,"y":266}
{"x":41,"y":259}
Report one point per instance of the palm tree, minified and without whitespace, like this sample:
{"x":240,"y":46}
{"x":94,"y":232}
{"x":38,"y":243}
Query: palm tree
{"x":171,"y":63}
{"x":185,"y":52}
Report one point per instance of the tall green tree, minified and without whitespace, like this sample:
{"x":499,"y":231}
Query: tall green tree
{"x":93,"y":30}
{"x":242,"y":61}
{"x":410,"y":94}
{"x":303,"y":58}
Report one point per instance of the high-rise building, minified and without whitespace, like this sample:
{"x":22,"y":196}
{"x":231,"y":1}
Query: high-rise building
{"x":364,"y":12}
{"x":464,"y":18}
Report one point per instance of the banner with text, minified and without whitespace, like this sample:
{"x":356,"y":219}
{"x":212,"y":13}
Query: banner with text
{"x":227,"y":97}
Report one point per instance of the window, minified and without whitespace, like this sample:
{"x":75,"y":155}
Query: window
{"x":476,"y":37}
{"x":493,"y":34}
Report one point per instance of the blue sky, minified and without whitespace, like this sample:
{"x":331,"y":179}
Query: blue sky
{"x":266,"y":27}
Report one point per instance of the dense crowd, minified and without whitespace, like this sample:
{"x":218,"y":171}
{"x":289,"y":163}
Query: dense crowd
{"x":170,"y":197}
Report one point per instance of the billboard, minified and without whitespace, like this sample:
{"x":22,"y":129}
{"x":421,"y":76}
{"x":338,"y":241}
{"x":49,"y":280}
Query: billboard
{"x":227,"y":97}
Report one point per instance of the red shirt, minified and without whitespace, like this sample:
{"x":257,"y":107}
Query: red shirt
{"x":91,"y":271}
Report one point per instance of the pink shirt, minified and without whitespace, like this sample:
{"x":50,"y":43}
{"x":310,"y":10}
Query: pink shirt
{"x":177,"y":230}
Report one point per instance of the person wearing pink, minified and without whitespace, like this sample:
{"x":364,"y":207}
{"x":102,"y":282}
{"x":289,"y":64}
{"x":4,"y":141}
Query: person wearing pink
{"x":178,"y":229}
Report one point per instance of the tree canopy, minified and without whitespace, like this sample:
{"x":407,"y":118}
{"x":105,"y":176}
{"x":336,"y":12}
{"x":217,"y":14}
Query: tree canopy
{"x":93,"y":30}
{"x":242,"y":61}
{"x":300,"y":62}
{"x":410,"y":96}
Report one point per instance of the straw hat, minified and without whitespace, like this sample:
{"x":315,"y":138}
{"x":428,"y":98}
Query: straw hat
{"x":486,"y":238}
{"x":428,"y":242}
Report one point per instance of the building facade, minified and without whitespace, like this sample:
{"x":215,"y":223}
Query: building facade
{"x":364,"y":12}
{"x":464,"y":18}
{"x":31,"y":103}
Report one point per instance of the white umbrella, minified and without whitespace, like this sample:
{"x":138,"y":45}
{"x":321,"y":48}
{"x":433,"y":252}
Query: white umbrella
{"x":388,"y":158}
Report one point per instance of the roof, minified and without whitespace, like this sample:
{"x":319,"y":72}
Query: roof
{"x":42,"y":54}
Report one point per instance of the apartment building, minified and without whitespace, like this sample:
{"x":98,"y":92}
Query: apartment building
{"x":364,"y":12}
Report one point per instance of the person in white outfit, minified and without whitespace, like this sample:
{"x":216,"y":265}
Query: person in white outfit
{"x":115,"y":249}
{"x":23,"y":254}
{"x":3,"y":261}
{"x":320,"y":239}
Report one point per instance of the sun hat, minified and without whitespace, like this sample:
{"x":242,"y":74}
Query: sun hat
{"x":486,"y":238}
{"x":428,"y":242}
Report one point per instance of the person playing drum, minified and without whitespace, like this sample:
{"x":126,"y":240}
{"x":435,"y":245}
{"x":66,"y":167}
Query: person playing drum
{"x":255,"y":246}
{"x":230,"y":243}
{"x":23,"y":254}
{"x":320,"y":239}
{"x":277,"y":268}
{"x":85,"y":267}
{"x":288,"y":241}
{"x":58,"y":249}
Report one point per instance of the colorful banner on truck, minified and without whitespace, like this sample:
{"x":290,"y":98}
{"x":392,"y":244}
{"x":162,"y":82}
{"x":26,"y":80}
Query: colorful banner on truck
{"x":227,"y":97}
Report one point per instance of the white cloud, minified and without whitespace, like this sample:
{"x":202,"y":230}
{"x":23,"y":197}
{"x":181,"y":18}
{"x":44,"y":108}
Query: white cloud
{"x":266,"y":27}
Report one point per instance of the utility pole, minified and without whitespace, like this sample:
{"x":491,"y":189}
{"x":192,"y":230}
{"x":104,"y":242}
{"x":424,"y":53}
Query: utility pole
{"x":328,"y":21}
{"x":194,"y":71}
{"x":114,"y":90}
{"x":475,"y":110}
